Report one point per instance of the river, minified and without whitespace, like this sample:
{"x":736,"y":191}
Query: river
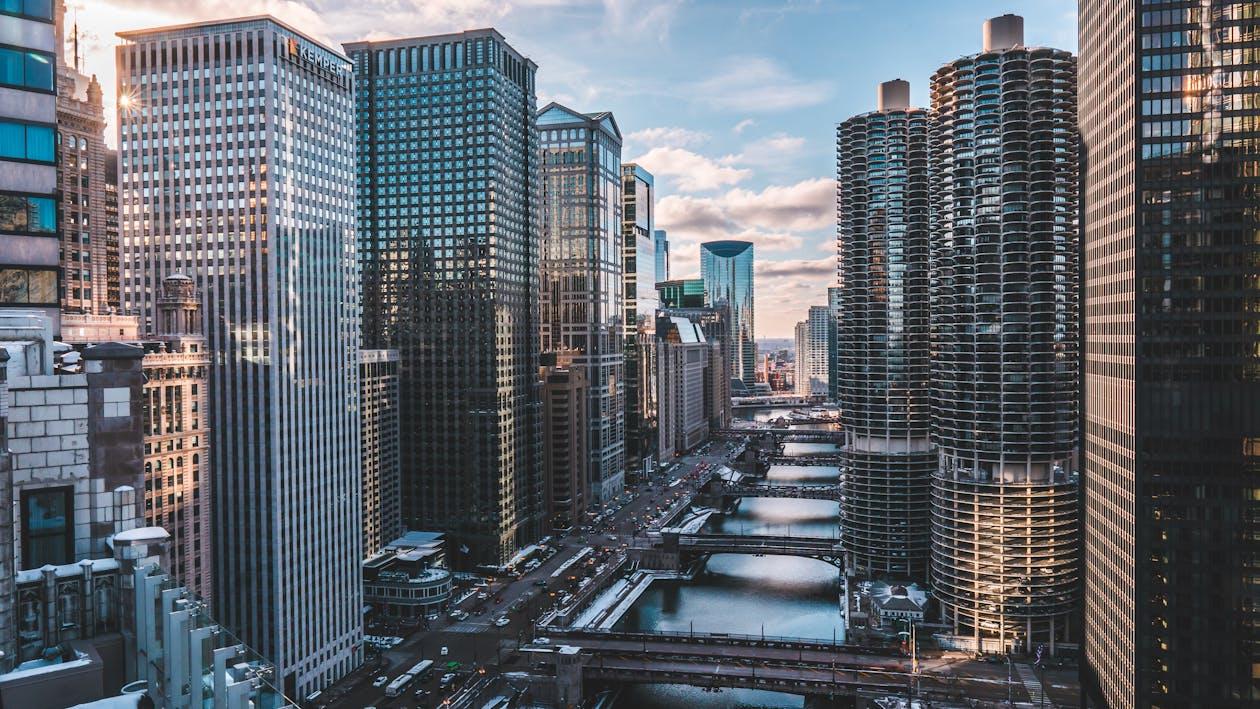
{"x":738,"y":593}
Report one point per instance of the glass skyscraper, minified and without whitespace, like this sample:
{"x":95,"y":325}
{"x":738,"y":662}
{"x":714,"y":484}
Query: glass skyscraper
{"x":449,"y":200}
{"x":236,"y":145}
{"x":660,"y":242}
{"x":883,"y":337}
{"x":726,"y":267}
{"x":581,"y":275}
{"x":1171,"y":478}
{"x":639,"y":261}
{"x":1005,"y":538}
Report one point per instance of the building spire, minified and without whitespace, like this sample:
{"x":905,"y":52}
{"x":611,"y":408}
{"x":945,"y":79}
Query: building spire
{"x":76,"y":40}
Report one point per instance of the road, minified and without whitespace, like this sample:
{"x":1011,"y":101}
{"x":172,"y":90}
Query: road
{"x":475,"y":643}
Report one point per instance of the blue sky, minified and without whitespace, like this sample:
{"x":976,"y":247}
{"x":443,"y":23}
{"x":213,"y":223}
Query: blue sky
{"x":732,"y":105}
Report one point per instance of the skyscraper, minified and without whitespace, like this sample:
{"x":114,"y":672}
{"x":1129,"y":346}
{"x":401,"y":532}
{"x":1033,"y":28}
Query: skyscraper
{"x":834,"y":306}
{"x":639,"y":263}
{"x":1171,"y":463}
{"x":883,"y":338}
{"x":581,"y":276}
{"x":726,"y":267}
{"x":660,"y":243}
{"x":1003,"y":314}
{"x":811,"y":354}
{"x":378,"y":402}
{"x":265,"y":115}
{"x":450,"y":197}
{"x":28,"y":159}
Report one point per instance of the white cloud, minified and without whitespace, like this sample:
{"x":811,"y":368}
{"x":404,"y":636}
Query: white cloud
{"x":743,"y":126}
{"x":773,"y":152}
{"x":690,"y":171}
{"x":640,"y":18}
{"x":667,"y":136}
{"x":758,"y":84}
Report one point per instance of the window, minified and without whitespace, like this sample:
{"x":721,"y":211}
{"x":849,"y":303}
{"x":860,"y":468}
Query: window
{"x":28,"y":286}
{"x":28,"y":214}
{"x":26,"y":141}
{"x":37,"y":9}
{"x":26,"y":69}
{"x":47,"y":530}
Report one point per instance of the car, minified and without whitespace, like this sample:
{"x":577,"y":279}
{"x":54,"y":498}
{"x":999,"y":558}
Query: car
{"x":444,"y":651}
{"x":431,"y":617}
{"x":501,"y":621}
{"x":482,"y":595}
{"x":446,"y":679}
{"x":541,"y":583}
{"x":380,"y":681}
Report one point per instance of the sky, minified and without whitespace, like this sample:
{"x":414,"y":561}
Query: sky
{"x":731,"y":105}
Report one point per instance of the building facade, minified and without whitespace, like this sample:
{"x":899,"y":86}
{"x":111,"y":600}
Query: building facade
{"x":689,"y":366}
{"x":581,"y":273}
{"x":565,"y":483}
{"x":660,"y":242}
{"x":450,"y":220}
{"x":639,"y":264}
{"x":273,"y":254}
{"x":883,"y":340}
{"x":714,"y":325}
{"x":88,"y":246}
{"x":378,"y":402}
{"x":29,"y":231}
{"x":685,"y":293}
{"x":726,"y":267}
{"x":812,"y":377}
{"x":835,"y":308}
{"x":1171,"y":424}
{"x":1005,"y":536}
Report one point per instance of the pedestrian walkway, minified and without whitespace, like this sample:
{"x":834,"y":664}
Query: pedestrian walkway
{"x":468,"y":626}
{"x":1036,"y":695}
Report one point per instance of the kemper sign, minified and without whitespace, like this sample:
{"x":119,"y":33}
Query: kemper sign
{"x":307,"y":52}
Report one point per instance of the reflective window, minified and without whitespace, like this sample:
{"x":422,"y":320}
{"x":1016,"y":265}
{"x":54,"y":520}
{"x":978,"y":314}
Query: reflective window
{"x":47,"y":531}
{"x":38,"y":9}
{"x":23,"y":286}
{"x":26,"y":141}
{"x":28,"y":214}
{"x":26,"y":69}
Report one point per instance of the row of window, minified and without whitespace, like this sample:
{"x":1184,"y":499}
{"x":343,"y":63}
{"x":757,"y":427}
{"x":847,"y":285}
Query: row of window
{"x":27,"y":141}
{"x":26,"y":69}
{"x":36,"y":9}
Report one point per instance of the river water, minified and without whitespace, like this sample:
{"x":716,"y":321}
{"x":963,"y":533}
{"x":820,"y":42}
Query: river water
{"x":753,"y":595}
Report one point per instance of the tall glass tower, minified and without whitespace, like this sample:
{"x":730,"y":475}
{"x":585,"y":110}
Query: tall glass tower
{"x":449,"y":196}
{"x":660,"y":241}
{"x":882,"y":344}
{"x":581,"y":276}
{"x":1172,"y":353}
{"x":265,"y":116}
{"x":1005,"y":538}
{"x":726,"y":267}
{"x":639,"y":278}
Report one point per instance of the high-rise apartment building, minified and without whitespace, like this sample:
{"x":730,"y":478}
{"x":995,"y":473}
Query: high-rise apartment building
{"x":566,"y":487}
{"x":883,"y":337}
{"x":581,"y":275}
{"x":450,"y":223}
{"x":86,"y":244}
{"x":236,"y":145}
{"x":660,"y":242}
{"x":1003,"y":175}
{"x":726,"y":267}
{"x":1171,"y":149}
{"x":811,"y":353}
{"x":28,"y":158}
{"x":639,"y":263}
{"x":378,"y":402}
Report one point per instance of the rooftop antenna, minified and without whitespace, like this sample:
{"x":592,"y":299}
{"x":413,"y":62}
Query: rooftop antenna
{"x":77,"y":67}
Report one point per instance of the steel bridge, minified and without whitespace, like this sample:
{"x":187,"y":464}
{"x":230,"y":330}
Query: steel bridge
{"x":692,"y":545}
{"x":798,"y":492}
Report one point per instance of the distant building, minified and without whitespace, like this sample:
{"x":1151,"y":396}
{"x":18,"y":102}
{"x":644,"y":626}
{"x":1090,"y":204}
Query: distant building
{"x":88,"y":245}
{"x":29,"y":244}
{"x":713,"y":324}
{"x":833,"y":343}
{"x":812,"y":378}
{"x":566,"y":487}
{"x":639,"y":277}
{"x":686,"y":293}
{"x":726,"y":267}
{"x":378,"y":403}
{"x":661,"y":243}
{"x":692,"y":375}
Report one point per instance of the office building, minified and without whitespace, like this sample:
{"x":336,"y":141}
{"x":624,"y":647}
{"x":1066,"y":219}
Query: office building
{"x":86,"y":244}
{"x":713,"y":324}
{"x":408,"y":578}
{"x":272,"y":254}
{"x":660,"y":242}
{"x":581,"y":275}
{"x":834,"y":308}
{"x":566,"y":487}
{"x":378,"y":404}
{"x":726,"y":267}
{"x":1005,"y":537}
{"x":1171,"y":152}
{"x":691,"y":368}
{"x":812,"y":378}
{"x":29,"y":243}
{"x":685,"y":293}
{"x":883,"y":338}
{"x":450,"y":223}
{"x":638,"y":278}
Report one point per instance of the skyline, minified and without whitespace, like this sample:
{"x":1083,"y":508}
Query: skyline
{"x":731,"y":111}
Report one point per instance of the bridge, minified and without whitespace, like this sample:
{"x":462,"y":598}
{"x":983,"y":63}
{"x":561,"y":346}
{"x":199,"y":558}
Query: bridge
{"x":798,"y":492}
{"x":791,"y":435}
{"x":693,"y":545}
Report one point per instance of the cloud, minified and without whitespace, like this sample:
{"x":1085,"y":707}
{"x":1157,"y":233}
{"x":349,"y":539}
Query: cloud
{"x":690,"y":171}
{"x":797,"y":268}
{"x":773,"y":152}
{"x":805,"y":205}
{"x":743,"y":126}
{"x":640,"y":18}
{"x":668,"y":136}
{"x":758,"y":84}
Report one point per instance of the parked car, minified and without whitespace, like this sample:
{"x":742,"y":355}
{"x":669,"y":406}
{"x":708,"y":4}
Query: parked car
{"x":501,"y":621}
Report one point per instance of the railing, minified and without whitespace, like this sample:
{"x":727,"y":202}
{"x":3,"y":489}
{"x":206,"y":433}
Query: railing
{"x":787,"y":642}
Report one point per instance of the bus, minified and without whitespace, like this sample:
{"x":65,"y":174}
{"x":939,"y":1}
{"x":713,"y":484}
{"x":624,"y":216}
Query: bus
{"x":399,"y":685}
{"x":421,"y":670}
